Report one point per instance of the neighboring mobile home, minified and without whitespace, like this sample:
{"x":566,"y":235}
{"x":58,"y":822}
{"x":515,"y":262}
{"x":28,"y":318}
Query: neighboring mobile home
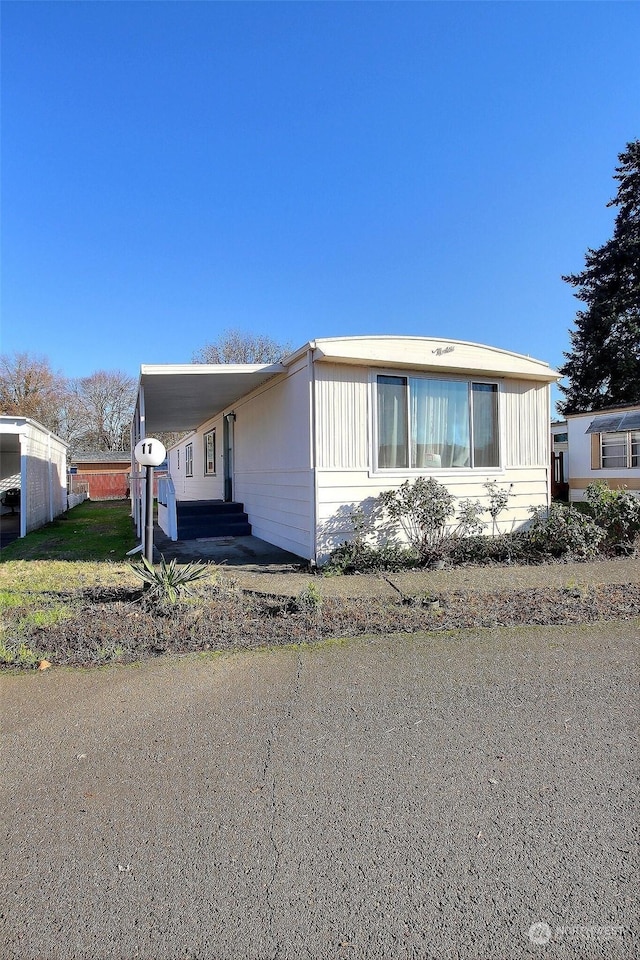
{"x":604,"y":445}
{"x":303,"y":442}
{"x":33,"y":461}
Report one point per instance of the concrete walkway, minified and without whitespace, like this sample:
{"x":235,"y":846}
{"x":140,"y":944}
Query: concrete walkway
{"x":261,"y":567}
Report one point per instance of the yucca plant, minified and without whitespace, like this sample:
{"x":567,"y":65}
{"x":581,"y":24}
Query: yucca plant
{"x":168,"y":581}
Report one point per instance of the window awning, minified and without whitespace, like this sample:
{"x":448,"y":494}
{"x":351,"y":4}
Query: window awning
{"x":615,"y":422}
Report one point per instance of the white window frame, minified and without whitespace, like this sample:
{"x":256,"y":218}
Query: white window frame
{"x":431,"y":375}
{"x":628,"y":439}
{"x":207,"y":472}
{"x":188,"y":460}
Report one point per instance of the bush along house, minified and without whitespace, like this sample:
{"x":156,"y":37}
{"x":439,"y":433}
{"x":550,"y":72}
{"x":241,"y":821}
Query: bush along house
{"x":287,"y":451}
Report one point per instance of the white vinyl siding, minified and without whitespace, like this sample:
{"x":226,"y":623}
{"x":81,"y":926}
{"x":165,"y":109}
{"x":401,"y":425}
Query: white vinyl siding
{"x":527,"y":441}
{"x":339,"y":492}
{"x":341,"y":416}
{"x":196,"y":486}
{"x":346,"y":475}
{"x":273,"y":474}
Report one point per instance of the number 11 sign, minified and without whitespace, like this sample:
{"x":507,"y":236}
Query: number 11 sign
{"x":149,"y":453}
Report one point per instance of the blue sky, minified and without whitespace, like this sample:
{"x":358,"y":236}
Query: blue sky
{"x":304,"y":170}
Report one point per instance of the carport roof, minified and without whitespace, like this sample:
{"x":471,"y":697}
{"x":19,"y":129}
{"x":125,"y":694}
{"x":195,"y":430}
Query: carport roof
{"x":182,"y":396}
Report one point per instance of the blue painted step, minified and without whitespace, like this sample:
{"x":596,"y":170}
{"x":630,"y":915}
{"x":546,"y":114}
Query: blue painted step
{"x":211,"y":518}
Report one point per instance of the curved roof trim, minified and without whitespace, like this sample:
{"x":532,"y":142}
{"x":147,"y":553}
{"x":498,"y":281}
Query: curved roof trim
{"x":430,"y":353}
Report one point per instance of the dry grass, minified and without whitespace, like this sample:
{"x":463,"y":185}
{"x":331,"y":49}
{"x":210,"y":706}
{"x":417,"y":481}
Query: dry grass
{"x":102,"y":625}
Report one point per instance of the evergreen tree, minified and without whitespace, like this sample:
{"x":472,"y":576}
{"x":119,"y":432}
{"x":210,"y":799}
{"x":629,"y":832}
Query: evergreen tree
{"x":603,"y":365}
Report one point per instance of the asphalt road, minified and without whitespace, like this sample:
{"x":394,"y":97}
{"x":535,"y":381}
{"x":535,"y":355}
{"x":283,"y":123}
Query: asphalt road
{"x":391,"y":798}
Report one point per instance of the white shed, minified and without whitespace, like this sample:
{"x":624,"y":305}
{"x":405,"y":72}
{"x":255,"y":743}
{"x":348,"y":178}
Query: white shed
{"x":33,"y":460}
{"x":604,"y":445}
{"x":288,"y":450}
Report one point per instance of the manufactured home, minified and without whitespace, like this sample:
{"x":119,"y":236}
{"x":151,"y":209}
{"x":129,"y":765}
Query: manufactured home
{"x":33,"y":474}
{"x":288,"y":450}
{"x":604,"y":445}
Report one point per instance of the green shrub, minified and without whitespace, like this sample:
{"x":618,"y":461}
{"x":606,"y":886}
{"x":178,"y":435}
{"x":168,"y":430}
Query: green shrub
{"x":498,"y":500}
{"x":359,"y":557}
{"x":168,"y":581}
{"x":564,"y":532}
{"x":425,"y":510}
{"x":309,"y":600}
{"x":617,"y":512}
{"x":501,"y":548}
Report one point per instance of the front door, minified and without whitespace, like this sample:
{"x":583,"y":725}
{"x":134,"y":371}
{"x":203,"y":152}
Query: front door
{"x":227,"y":433}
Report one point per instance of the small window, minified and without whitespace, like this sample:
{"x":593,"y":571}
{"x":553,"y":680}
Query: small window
{"x":210,"y":454}
{"x":620,"y":449}
{"x":177,"y":459}
{"x":188,"y":460}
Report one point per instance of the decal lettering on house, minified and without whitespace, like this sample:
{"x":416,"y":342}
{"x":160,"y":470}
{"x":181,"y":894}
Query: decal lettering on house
{"x":439,"y":351}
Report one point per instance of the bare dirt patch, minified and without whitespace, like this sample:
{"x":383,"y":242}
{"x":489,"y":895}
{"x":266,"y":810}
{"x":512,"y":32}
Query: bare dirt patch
{"x":118,"y":625}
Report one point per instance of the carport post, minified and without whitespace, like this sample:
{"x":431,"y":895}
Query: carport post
{"x":149,"y":453}
{"x":148,"y":532}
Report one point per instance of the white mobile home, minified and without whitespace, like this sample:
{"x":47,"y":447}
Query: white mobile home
{"x":33,"y":461}
{"x":302,"y":442}
{"x":604,"y":445}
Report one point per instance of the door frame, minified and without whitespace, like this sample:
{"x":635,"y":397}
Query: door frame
{"x":227,"y":459}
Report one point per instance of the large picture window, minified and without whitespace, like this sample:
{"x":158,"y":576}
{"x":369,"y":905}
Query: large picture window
{"x":424,"y":423}
{"x":210,"y":453}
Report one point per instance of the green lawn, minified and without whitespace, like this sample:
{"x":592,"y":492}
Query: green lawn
{"x":94,"y":530}
{"x":40,"y":573}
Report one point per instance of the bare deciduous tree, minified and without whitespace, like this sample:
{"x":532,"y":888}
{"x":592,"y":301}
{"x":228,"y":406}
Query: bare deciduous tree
{"x":89,"y":412}
{"x":236,"y":346}
{"x":106,"y":399}
{"x":30,"y":388}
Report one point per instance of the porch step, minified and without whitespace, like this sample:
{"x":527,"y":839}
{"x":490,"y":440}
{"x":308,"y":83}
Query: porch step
{"x":211,"y":518}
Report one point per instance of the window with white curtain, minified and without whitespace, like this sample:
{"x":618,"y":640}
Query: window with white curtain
{"x":426,"y":423}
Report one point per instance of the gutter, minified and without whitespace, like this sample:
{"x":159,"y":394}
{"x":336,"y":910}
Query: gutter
{"x":314,"y":472}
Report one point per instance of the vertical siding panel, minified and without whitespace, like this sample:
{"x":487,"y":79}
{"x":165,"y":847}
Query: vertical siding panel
{"x":526,"y":417}
{"x":342,"y":421}
{"x":272,"y":464}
